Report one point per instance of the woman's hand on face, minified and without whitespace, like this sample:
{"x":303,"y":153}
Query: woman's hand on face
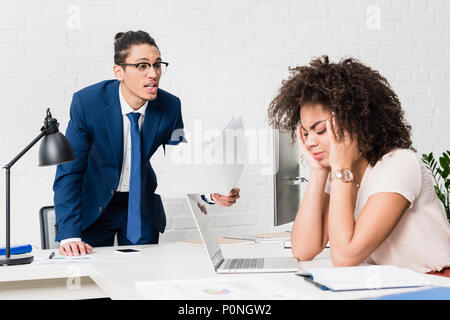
{"x":343,"y":149}
{"x":307,"y":155}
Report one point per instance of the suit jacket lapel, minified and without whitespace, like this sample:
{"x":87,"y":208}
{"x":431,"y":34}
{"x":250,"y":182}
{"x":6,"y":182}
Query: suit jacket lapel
{"x":150,"y":127}
{"x":112,"y":116}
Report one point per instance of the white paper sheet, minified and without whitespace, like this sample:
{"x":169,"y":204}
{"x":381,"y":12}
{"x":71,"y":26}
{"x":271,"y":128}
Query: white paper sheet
{"x":201,"y":167}
{"x":216,"y":289}
{"x":57,"y":259}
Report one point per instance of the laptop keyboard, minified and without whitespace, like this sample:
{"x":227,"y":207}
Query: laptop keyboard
{"x":243,"y":263}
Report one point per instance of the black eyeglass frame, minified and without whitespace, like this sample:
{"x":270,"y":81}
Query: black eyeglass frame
{"x":136,"y":65}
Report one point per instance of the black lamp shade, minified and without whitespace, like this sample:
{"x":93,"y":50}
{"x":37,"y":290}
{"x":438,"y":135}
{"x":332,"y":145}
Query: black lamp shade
{"x":55,"y":149}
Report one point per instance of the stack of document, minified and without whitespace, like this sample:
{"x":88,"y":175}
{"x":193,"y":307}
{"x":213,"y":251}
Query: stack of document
{"x":201,"y":167}
{"x":266,"y":237}
{"x":364,"y":278}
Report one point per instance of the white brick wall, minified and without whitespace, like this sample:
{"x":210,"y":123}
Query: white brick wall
{"x":227,"y":57}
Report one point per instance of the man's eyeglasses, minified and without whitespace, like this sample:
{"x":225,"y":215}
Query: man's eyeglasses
{"x":144,"y":67}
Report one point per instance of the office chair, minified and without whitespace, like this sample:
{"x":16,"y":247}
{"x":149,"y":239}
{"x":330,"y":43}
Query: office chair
{"x":47,"y":221}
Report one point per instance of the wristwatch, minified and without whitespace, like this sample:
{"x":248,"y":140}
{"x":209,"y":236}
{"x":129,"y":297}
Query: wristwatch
{"x":345,"y":175}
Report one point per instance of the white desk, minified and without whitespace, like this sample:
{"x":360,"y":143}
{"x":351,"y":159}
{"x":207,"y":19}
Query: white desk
{"x":112,"y":274}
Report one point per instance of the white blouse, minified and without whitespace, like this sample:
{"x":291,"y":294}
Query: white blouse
{"x":421,"y":239}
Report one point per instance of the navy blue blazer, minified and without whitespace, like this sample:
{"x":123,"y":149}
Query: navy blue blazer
{"x":83,"y":188}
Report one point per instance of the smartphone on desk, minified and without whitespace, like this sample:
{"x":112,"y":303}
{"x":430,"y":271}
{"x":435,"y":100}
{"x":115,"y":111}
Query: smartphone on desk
{"x":127,"y":250}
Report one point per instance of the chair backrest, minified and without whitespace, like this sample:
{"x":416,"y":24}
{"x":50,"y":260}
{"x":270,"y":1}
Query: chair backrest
{"x":47,"y":221}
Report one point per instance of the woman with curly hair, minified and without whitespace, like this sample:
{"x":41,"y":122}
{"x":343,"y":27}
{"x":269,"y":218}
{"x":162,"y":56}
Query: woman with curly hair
{"x":368,"y":195}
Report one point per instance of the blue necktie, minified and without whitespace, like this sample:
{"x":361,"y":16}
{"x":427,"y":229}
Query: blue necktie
{"x":134,"y":197}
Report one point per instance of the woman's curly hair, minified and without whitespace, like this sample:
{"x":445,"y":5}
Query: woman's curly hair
{"x":362,"y":100}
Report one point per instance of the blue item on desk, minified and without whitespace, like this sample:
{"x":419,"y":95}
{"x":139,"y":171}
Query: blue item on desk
{"x":436,"y":293}
{"x":20,"y":249}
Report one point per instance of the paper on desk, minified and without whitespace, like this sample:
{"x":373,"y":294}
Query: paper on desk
{"x":267,"y":237}
{"x":44,"y":259}
{"x":200,"y":167}
{"x":216,"y":289}
{"x":222,"y":241}
{"x":284,"y":235}
{"x":365,"y":277}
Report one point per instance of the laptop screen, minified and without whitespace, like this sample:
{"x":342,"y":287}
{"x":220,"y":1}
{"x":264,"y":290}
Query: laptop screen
{"x":206,"y":229}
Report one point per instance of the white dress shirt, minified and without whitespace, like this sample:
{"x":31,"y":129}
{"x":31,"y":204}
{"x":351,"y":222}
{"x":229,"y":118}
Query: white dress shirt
{"x":124,"y":181}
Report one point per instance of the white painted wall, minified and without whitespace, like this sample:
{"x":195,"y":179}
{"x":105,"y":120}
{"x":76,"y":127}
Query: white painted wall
{"x":227,"y":57}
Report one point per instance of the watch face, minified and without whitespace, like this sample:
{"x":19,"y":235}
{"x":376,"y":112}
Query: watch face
{"x":347,"y":175}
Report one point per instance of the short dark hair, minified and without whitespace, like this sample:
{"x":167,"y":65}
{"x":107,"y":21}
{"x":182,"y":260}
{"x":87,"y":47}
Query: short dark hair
{"x":124,"y":40}
{"x":362,"y":100}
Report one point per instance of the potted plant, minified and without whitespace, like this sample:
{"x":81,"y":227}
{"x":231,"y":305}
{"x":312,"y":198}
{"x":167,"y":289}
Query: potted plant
{"x":440,"y":172}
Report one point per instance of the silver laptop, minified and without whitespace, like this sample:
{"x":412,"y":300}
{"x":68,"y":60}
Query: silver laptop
{"x":232,"y":265}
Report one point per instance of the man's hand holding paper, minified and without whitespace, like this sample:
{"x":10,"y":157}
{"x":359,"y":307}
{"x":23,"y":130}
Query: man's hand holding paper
{"x":226,"y":201}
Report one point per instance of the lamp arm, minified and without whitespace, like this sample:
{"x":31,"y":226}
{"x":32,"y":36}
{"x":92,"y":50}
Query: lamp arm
{"x":20,"y":155}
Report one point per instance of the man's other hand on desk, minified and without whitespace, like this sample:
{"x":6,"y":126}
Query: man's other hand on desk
{"x":75,"y":248}
{"x":226,"y":201}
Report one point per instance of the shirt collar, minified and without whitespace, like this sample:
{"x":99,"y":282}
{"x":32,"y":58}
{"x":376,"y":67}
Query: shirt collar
{"x":126,"y":108}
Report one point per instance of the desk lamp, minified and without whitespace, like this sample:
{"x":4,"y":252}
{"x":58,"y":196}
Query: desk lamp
{"x":54,"y":149}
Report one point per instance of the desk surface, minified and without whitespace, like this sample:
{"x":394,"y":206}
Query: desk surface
{"x":113,"y":274}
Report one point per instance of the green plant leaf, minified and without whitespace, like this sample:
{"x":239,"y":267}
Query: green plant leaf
{"x":445,"y":173}
{"x":446,"y":157}
{"x":439,"y":193}
{"x":443,"y":162}
{"x":442,"y":198}
{"x":433,"y":165}
{"x":424,"y":158}
{"x":440,"y":170}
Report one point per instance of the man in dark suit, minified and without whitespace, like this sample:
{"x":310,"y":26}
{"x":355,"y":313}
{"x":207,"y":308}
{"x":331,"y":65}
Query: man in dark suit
{"x":115,"y":127}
